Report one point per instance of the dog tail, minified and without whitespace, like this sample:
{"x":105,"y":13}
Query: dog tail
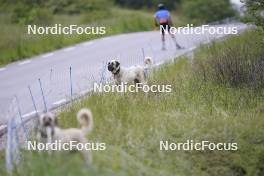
{"x":85,"y":119}
{"x":148,"y":61}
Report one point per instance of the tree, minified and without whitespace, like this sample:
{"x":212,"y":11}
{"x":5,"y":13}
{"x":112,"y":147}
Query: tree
{"x":205,"y":11}
{"x":138,"y":4}
{"x":255,"y":11}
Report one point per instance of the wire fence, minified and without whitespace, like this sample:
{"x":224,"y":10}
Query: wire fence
{"x":57,"y":88}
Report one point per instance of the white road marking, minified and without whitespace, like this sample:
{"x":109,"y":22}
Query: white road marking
{"x":29,"y":114}
{"x":47,"y":55}
{"x":85,"y":92}
{"x":2,"y":69}
{"x":209,"y":41}
{"x":177,"y":55}
{"x":69,"y":49}
{"x":87,"y":43}
{"x":106,"y":38}
{"x":59,"y":102}
{"x":192,"y":48}
{"x":206,"y":42}
{"x":159,"y":63}
{"x":25,"y":62}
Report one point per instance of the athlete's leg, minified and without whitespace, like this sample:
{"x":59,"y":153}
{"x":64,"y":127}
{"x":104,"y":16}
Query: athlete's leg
{"x":163,"y":38}
{"x":178,"y":46}
{"x":163,"y":41}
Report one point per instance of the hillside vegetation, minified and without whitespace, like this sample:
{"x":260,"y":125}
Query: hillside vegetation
{"x":16,"y":44}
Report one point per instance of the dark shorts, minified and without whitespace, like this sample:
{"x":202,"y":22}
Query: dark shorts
{"x":164,"y":28}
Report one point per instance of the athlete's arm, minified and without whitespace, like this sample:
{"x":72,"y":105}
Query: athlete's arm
{"x":155,"y":21}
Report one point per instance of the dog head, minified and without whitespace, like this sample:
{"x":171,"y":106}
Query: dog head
{"x":48,"y":120}
{"x":114,"y":66}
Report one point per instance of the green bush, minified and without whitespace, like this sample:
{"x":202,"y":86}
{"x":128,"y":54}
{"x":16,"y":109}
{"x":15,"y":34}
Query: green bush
{"x":40,"y":16}
{"x":232,"y":64}
{"x":25,"y":14}
{"x":205,"y":11}
{"x":139,"y":4}
{"x":41,"y":12}
{"x":78,"y":6}
{"x":255,"y":11}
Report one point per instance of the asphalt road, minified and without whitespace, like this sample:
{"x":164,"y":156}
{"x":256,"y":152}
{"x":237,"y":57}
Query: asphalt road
{"x":87,"y":62}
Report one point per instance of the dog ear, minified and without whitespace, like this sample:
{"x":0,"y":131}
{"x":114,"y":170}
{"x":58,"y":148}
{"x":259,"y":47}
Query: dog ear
{"x":117,"y":63}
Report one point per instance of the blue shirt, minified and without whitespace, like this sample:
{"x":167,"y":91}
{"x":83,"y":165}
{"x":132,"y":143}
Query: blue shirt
{"x":162,"y":16}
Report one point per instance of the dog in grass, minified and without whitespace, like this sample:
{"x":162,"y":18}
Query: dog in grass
{"x":131,"y":75}
{"x":48,"y":131}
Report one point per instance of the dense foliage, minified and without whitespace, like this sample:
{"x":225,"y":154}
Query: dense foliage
{"x":171,"y":4}
{"x":205,"y":11}
{"x":230,"y":63}
{"x":40,"y":11}
{"x":255,"y":11}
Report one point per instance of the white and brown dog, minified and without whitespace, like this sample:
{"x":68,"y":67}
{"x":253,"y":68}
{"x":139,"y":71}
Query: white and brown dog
{"x":48,"y":131}
{"x":131,"y":75}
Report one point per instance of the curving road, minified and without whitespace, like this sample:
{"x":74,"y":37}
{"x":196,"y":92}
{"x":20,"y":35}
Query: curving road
{"x":87,"y":61}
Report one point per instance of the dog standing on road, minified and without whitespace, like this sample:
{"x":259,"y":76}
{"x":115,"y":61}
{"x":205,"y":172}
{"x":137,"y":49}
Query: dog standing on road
{"x":131,"y":75}
{"x":48,"y":131}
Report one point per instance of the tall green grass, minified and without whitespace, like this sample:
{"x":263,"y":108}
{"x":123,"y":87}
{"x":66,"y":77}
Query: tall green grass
{"x":234,"y":64}
{"x":132,"y":126}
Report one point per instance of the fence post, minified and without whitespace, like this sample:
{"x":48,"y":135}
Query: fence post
{"x":51,"y":71}
{"x":9,"y":148}
{"x":42,"y":93}
{"x":93,"y":78}
{"x":71,"y":81}
{"x":32,"y":98}
{"x":143,"y":53}
{"x":103,"y":73}
{"x":17,"y":158}
{"x":20,"y":115}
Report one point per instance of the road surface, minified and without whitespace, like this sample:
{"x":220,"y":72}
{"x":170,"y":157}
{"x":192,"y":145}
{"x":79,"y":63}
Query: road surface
{"x":87,"y":62}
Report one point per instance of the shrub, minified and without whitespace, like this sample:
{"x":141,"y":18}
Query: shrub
{"x":205,"y":11}
{"x":239,"y":61}
{"x":41,"y":12}
{"x":78,"y":6}
{"x":255,"y":11}
{"x":138,"y":4}
{"x":26,"y":14}
{"x":40,"y":16}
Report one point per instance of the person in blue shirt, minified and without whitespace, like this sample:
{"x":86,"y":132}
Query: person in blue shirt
{"x":163,"y":20}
